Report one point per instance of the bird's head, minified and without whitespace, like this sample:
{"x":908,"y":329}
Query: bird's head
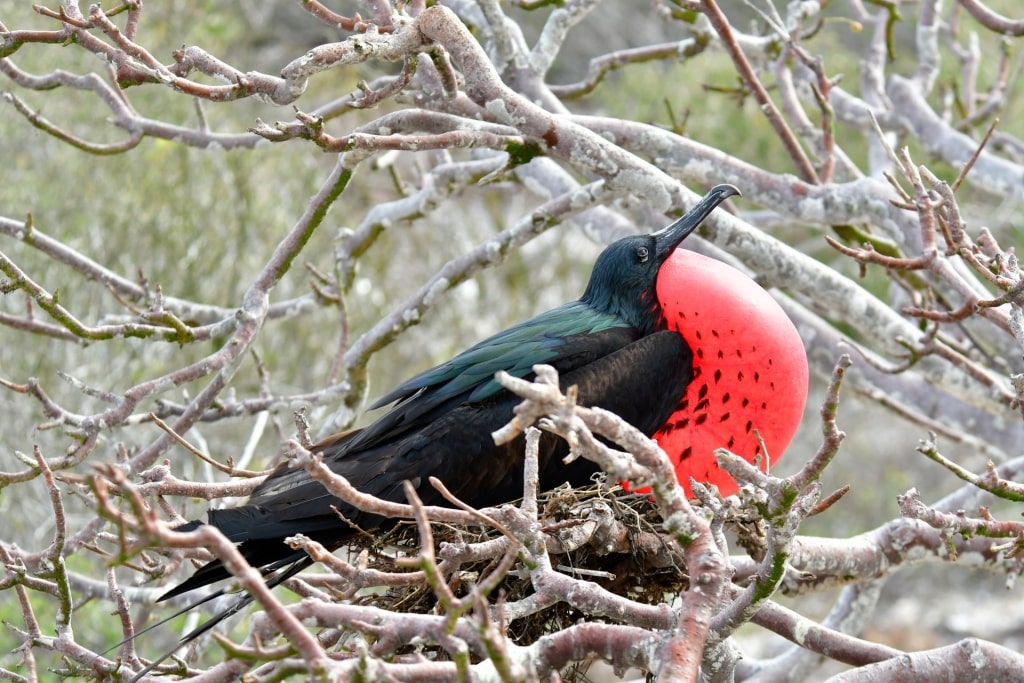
{"x":625,"y":275}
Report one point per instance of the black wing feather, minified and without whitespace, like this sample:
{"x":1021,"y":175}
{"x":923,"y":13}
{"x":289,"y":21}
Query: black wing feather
{"x":642,"y":382}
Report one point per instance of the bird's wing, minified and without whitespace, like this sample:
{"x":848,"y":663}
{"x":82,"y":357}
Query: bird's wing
{"x":642,"y":382}
{"x":566,"y":337}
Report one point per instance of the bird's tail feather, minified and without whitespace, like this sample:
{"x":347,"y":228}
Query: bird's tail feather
{"x":274,"y":574}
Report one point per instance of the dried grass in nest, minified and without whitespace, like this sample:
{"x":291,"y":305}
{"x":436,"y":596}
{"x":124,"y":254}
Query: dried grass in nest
{"x":625,"y":552}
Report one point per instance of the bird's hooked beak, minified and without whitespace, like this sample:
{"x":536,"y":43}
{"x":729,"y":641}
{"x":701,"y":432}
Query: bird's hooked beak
{"x":667,"y":239}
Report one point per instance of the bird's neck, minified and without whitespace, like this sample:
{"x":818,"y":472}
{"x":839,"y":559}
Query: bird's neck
{"x":643,"y":314}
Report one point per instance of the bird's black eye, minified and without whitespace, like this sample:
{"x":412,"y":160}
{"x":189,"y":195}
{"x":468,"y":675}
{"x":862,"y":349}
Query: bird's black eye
{"x":641,"y":254}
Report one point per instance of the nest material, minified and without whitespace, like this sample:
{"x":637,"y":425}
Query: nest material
{"x":625,"y":552}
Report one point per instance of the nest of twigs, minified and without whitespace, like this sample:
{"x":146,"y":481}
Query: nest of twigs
{"x":599,"y":533}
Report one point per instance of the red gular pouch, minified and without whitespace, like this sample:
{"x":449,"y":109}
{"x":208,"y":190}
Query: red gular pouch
{"x":750,"y":370}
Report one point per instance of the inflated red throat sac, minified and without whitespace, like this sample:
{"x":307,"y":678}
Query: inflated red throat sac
{"x":750,"y":370}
